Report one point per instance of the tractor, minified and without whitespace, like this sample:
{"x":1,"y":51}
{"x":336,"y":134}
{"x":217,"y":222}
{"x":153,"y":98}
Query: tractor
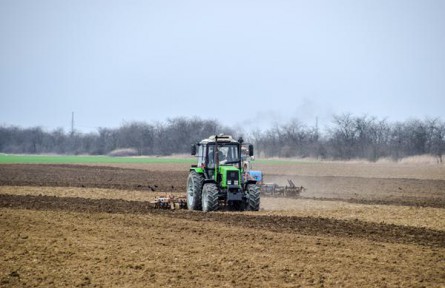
{"x":218,"y":181}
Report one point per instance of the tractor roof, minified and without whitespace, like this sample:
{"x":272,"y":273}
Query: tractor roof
{"x":221,"y":139}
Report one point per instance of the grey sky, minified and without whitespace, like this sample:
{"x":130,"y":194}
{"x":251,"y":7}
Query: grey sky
{"x":241,"y":62}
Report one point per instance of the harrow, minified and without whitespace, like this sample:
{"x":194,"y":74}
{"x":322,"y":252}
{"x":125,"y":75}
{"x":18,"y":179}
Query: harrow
{"x":274,"y":190}
{"x":169,"y":202}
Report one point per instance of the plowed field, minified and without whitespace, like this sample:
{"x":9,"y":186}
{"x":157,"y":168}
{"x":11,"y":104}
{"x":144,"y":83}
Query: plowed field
{"x":92,"y":226}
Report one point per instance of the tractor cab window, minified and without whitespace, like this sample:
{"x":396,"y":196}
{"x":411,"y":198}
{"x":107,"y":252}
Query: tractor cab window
{"x":211,"y":156}
{"x":201,"y":154}
{"x":226,"y":154}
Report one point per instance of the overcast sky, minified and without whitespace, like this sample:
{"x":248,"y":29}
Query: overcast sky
{"x":251,"y":63}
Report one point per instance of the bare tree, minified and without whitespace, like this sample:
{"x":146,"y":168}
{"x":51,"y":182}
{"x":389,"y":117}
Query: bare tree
{"x":343,"y":137}
{"x":436,"y":138}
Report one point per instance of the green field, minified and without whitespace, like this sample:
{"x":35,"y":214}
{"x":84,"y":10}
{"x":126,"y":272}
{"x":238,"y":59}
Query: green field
{"x":73,"y":159}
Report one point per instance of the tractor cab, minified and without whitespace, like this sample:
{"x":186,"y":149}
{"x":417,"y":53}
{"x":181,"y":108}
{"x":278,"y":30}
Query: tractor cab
{"x":224,"y":153}
{"x":217,"y":151}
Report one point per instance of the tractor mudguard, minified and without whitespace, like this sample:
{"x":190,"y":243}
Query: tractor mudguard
{"x":249,"y":182}
{"x":198,"y":170}
{"x":209,"y":181}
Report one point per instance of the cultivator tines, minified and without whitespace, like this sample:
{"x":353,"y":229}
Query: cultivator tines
{"x":169,"y":202}
{"x":274,"y":190}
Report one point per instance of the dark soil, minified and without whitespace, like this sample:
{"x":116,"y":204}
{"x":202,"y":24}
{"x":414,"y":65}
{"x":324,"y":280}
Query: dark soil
{"x":92,"y":176}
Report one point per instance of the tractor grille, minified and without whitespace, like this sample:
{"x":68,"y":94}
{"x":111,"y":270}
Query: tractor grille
{"x":232,"y":177}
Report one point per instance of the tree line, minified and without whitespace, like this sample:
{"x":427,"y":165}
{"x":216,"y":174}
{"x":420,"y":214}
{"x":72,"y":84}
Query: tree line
{"x":173,"y":136}
{"x":351,"y":137}
{"x":347,"y":137}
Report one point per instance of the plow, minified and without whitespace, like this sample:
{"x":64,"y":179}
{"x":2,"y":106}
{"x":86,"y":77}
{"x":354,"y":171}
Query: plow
{"x":270,"y":189}
{"x":275,"y":190}
{"x":266,"y":189}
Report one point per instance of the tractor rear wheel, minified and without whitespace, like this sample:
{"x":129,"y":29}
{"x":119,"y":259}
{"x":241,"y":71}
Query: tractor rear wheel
{"x":209,"y":197}
{"x":253,"y":198}
{"x":194,"y":190}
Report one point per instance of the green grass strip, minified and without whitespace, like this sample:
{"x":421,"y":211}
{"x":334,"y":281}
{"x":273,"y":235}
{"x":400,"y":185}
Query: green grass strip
{"x":87,"y":159}
{"x":72,"y":159}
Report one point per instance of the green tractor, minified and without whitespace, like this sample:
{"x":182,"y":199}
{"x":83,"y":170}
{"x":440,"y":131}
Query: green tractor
{"x":218,"y":180}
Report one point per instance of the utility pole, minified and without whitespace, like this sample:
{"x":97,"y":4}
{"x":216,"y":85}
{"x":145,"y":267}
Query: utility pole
{"x":72,"y":123}
{"x":316,"y":127}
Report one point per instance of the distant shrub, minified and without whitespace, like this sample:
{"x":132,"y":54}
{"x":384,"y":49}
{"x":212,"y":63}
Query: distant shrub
{"x":123,"y":152}
{"x":420,"y":159}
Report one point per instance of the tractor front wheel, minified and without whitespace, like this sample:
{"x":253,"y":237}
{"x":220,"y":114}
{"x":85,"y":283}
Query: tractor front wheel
{"x":194,"y":190}
{"x":209,"y":197}
{"x":253,"y":197}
